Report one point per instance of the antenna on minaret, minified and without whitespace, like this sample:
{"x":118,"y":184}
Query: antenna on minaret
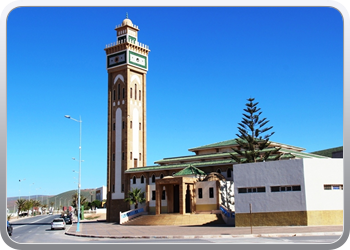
{"x":126,"y":14}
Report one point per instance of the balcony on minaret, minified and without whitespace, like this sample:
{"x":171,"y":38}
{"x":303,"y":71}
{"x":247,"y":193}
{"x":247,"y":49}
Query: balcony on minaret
{"x":127,"y":38}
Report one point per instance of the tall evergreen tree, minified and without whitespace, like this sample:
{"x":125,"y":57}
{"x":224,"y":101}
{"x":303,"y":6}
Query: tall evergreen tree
{"x":252,"y":138}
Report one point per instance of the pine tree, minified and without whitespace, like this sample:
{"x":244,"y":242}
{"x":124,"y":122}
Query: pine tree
{"x":252,"y":143}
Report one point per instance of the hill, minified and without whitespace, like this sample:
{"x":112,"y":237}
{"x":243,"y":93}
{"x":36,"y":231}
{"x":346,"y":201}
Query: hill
{"x":62,"y":199}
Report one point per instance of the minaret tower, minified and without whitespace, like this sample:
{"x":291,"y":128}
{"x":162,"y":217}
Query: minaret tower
{"x":127,"y":66}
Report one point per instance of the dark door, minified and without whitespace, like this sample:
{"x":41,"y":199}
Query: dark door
{"x":176,"y":199}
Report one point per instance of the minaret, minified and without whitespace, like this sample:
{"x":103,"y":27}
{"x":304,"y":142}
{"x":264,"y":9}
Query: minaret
{"x":127,"y":66}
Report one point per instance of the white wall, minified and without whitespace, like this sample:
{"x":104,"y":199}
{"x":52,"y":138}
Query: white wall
{"x":205,"y":185}
{"x":319,"y":172}
{"x":267,"y":174}
{"x":140,"y":185}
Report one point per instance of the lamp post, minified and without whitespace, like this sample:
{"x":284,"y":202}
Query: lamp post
{"x":79,"y":183}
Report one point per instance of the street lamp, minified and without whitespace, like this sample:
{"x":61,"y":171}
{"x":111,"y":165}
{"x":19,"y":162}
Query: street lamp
{"x":79,"y":183}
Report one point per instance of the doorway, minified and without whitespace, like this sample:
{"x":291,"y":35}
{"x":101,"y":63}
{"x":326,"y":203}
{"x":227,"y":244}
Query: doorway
{"x":176,"y":199}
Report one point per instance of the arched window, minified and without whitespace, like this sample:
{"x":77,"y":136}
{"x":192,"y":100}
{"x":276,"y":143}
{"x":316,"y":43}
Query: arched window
{"x":218,"y":171}
{"x":118,"y":93}
{"x":130,"y":92}
{"x":161,"y":176}
{"x":134,"y":180}
{"x":142,"y":179}
{"x":135,"y":92}
{"x":153,"y":178}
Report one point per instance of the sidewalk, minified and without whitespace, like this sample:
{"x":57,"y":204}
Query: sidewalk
{"x":103,"y":229}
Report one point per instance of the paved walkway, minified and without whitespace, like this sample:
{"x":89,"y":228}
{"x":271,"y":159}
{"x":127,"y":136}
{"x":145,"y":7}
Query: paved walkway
{"x":102,"y":229}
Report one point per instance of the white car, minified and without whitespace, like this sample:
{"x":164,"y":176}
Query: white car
{"x":58,"y":223}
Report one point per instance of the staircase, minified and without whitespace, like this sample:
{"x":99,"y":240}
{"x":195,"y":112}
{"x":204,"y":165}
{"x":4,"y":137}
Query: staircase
{"x":177,"y":220}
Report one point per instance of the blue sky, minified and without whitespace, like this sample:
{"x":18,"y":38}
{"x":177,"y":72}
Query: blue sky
{"x":203,"y":66}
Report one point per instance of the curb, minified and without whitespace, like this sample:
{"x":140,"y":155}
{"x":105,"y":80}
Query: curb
{"x":203,"y":236}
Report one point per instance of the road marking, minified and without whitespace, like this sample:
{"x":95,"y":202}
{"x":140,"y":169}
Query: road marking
{"x":29,"y":223}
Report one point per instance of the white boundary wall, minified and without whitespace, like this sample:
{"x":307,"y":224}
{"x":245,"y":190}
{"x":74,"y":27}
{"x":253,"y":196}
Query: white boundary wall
{"x":320,"y":172}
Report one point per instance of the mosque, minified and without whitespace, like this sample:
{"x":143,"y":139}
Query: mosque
{"x":203,"y":181}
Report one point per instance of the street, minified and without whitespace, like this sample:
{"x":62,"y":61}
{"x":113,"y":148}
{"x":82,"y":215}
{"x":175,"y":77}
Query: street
{"x":38,"y":230}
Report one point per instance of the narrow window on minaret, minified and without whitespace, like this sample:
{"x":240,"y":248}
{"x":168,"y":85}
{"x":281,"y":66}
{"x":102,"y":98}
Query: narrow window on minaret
{"x":123,"y":124}
{"x":135,"y":92}
{"x":140,"y":126}
{"x":113,"y":126}
{"x":130,"y":92}
{"x":118,"y":91}
{"x":139,"y":95}
{"x":123,"y":156}
{"x":140,"y":156}
{"x":130,"y":124}
{"x":113,"y":95}
{"x":113,"y":157}
{"x":123,"y":93}
{"x":130,"y":155}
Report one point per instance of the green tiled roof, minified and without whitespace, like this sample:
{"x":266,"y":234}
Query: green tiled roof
{"x":190,"y":170}
{"x":328,"y":152}
{"x":180,"y":166}
{"x":302,"y":154}
{"x":233,"y":142}
{"x":202,"y":157}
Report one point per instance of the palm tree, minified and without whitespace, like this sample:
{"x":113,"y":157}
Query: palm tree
{"x":136,"y":196}
{"x":20,"y":204}
{"x":75,"y":200}
{"x":36,"y":205}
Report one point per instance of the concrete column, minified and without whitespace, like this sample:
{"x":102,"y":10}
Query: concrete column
{"x":159,"y":189}
{"x":193,"y":198}
{"x":182,"y":191}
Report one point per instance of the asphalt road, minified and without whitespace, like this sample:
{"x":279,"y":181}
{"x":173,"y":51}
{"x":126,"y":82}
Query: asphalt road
{"x":38,"y":230}
{"x":35,"y":229}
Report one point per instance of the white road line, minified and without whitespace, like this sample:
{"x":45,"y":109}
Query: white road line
{"x":29,"y":223}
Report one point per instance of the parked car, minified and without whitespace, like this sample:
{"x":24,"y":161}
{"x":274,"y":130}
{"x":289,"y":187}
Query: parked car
{"x":68,"y":220}
{"x":9,"y":228}
{"x":58,"y":223}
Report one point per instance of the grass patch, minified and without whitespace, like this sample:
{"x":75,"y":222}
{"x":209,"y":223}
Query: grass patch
{"x":92,"y":217}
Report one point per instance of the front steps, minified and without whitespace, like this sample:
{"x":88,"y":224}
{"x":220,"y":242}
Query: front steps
{"x":177,"y":220}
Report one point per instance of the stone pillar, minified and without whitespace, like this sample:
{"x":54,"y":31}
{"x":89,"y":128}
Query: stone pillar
{"x":182,"y":192}
{"x":159,"y":189}
{"x":193,"y":198}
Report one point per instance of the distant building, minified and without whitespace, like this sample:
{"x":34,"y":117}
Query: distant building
{"x":101,"y":193}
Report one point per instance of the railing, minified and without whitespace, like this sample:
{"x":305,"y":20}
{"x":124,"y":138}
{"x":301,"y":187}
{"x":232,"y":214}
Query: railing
{"x":124,"y":41}
{"x":228,"y":216}
{"x":126,"y":216}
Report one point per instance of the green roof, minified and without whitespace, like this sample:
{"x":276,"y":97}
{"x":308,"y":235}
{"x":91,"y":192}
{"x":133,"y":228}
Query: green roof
{"x":328,"y":152}
{"x":233,"y":142}
{"x":190,"y":170}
